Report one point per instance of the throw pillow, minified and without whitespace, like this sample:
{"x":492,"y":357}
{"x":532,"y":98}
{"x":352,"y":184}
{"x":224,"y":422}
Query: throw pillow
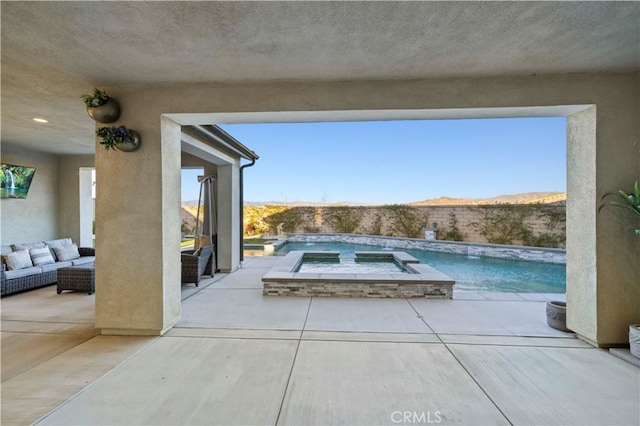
{"x":61,"y":242}
{"x":41,"y":256}
{"x":18,"y":260}
{"x":67,"y":253}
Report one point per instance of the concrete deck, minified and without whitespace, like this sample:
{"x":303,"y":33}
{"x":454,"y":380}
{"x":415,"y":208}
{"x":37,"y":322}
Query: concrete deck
{"x":237,"y":357}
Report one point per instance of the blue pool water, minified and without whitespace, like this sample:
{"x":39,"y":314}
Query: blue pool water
{"x":349,"y":265}
{"x":478,"y":274}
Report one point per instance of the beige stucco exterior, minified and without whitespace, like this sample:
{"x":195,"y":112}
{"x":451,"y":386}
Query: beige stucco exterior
{"x":143,"y":296}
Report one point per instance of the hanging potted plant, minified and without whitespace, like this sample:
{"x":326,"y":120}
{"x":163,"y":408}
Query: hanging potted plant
{"x":120,"y":138}
{"x":630,"y":203}
{"x":101,"y":107}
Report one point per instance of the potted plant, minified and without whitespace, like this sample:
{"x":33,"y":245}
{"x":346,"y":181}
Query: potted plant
{"x":101,"y":107}
{"x":630,"y":203}
{"x":120,"y":138}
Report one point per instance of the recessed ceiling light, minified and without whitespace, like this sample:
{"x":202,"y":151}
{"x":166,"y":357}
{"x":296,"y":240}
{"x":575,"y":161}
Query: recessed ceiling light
{"x":40,"y":120}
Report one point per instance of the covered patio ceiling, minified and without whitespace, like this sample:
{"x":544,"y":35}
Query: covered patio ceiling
{"x":52,"y":52}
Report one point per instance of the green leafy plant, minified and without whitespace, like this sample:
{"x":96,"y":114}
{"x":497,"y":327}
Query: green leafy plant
{"x":112,"y":136}
{"x":504,"y":223}
{"x":629,"y":201}
{"x":290,"y":217}
{"x":406,"y":221}
{"x":95,"y":99}
{"x":453,"y":233}
{"x":555,"y":223}
{"x":344,"y":219}
{"x":376,"y":225}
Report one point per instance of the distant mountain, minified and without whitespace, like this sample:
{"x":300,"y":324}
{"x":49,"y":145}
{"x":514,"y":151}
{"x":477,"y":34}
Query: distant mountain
{"x":302,"y":203}
{"x":523,"y":198}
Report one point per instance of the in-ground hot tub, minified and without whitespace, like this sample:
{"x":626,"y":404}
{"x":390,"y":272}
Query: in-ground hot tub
{"x":369,"y":274}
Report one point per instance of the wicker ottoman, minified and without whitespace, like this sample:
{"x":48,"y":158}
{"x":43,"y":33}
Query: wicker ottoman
{"x":80,"y":278}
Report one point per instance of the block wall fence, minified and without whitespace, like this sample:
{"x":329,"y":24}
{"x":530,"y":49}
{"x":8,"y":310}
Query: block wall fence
{"x":501,"y":220}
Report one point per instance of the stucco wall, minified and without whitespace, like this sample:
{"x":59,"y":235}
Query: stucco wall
{"x":613,"y":163}
{"x":36,"y":217}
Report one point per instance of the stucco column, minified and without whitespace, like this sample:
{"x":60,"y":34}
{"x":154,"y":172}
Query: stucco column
{"x":138,"y":232}
{"x":228,"y":185}
{"x":581,"y":224}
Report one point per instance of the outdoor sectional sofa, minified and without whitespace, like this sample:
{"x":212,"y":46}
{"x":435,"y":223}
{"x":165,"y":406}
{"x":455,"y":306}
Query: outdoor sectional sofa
{"x":26,"y":266}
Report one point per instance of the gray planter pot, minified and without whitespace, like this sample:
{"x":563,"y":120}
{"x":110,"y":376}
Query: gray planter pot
{"x":107,"y":113}
{"x":634,"y":340}
{"x":130,"y":146}
{"x":557,"y":315}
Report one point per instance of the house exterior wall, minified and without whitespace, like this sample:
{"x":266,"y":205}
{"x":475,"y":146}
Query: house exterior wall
{"x":610,"y":160}
{"x":34,"y":218}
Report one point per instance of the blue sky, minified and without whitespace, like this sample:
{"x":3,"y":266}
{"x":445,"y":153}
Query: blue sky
{"x":399,"y":161}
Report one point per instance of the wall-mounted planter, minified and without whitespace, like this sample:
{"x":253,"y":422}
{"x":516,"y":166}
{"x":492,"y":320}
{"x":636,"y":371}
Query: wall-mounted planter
{"x":106,"y":113}
{"x":121,"y":138}
{"x":130,"y":146}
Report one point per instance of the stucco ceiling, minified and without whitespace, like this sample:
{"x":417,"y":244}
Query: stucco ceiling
{"x":54,"y":51}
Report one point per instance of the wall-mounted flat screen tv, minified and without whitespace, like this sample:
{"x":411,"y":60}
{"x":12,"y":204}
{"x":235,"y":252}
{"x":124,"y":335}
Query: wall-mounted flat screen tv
{"x":15,"y":180}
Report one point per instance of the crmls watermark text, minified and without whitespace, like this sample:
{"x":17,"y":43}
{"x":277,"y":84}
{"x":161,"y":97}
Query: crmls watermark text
{"x":416,"y":417}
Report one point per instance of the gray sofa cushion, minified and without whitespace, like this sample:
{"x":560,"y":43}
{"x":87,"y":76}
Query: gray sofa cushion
{"x":83,"y":260}
{"x":27,"y":246}
{"x":18,"y":260}
{"x":57,"y":265}
{"x":67,"y":252}
{"x":19,"y":273}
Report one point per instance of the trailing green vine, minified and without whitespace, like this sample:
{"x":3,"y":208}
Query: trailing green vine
{"x":504,"y":223}
{"x":406,"y":221}
{"x":453,"y":232}
{"x":291,"y":218}
{"x":555,"y":222}
{"x":376,"y":225}
{"x":343,"y":219}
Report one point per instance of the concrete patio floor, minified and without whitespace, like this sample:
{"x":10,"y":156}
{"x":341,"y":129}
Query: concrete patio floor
{"x":237,"y":357}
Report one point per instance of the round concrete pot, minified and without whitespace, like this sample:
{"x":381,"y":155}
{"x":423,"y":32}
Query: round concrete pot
{"x":107,"y":113}
{"x":557,"y":315}
{"x":634,"y":340}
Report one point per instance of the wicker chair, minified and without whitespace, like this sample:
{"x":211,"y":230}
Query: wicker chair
{"x":194,"y":265}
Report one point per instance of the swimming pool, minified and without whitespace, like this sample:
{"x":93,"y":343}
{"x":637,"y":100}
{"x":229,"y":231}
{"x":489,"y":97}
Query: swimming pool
{"x":469,"y":273}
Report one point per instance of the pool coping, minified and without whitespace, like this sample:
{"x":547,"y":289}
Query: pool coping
{"x":498,"y":251}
